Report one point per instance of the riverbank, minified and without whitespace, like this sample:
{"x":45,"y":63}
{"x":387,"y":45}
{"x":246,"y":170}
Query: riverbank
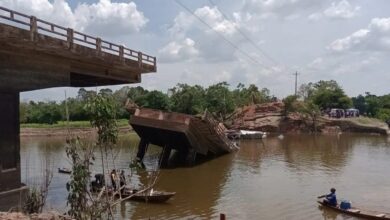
{"x":271,"y":117}
{"x":52,"y":215}
{"x":63,"y":128}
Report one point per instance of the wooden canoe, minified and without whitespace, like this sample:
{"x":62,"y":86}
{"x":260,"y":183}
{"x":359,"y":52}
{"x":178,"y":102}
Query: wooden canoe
{"x":153,"y":197}
{"x":64,"y":170}
{"x":358,"y":212}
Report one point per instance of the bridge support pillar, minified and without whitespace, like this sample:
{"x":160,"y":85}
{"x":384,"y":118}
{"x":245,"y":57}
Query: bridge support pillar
{"x":165,"y":156}
{"x":142,"y":147}
{"x":12,"y":191}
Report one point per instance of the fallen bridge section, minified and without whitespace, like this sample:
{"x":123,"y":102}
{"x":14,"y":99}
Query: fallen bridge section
{"x":193,"y":138}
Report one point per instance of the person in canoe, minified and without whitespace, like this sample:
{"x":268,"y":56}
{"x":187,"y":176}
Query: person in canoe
{"x":113,"y":177}
{"x":330,"y":198}
{"x":122,"y":181}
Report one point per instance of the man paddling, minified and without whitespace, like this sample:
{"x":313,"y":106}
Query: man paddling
{"x":330,"y":199}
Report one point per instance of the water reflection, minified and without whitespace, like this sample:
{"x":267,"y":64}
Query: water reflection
{"x":268,"y":179}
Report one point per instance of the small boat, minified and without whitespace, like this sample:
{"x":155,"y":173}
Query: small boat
{"x":245,"y":134}
{"x":353,"y":211}
{"x":64,"y":170}
{"x":150,"y":196}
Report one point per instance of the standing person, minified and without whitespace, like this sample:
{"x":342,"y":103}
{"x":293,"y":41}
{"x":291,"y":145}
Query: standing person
{"x":330,"y":198}
{"x":122,"y":181}
{"x":113,"y":179}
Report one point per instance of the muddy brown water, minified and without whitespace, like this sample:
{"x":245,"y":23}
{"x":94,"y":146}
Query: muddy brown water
{"x":272,"y":178}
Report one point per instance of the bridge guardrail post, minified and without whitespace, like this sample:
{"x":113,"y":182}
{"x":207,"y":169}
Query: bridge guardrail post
{"x":33,"y":28}
{"x":122,"y":53}
{"x":98,"y":45}
{"x":154,"y":63}
{"x":69,"y":37}
{"x":139,"y":59}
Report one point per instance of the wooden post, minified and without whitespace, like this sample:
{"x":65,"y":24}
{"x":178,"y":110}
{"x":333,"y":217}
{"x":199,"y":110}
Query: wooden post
{"x":33,"y":28}
{"x":155,"y":64}
{"x":98,"y":45}
{"x":139,"y":59}
{"x":222,"y":216}
{"x":121,"y":53}
{"x":69,"y":37}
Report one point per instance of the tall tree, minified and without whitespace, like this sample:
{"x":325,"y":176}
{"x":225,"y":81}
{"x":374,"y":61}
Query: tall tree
{"x":187,"y":99}
{"x":328,"y":94}
{"x":219,"y":99}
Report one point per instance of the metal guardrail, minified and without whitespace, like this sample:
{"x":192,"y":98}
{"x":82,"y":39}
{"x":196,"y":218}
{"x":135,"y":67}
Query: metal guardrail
{"x":74,"y":37}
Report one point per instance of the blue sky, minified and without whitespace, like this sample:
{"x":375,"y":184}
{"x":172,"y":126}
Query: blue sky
{"x":344,"y":40}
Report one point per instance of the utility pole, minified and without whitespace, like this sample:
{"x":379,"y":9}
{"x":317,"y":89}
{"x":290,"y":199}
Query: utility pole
{"x":296,"y":82}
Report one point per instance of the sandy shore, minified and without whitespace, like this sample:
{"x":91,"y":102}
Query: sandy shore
{"x":35,"y":132}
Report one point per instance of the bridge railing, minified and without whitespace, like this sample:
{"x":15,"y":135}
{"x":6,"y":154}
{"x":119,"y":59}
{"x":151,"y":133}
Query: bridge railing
{"x":74,"y":37}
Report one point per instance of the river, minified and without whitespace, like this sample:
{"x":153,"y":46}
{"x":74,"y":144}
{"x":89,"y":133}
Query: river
{"x":273,"y":178}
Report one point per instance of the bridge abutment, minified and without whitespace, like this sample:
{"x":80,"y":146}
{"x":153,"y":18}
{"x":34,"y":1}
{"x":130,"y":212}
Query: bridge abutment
{"x":12,"y":191}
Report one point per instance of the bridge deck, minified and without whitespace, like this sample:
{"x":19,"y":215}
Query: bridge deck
{"x":36,"y":54}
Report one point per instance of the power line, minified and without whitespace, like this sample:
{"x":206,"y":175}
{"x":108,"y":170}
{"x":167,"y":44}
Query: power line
{"x":244,"y":35}
{"x":221,"y":35}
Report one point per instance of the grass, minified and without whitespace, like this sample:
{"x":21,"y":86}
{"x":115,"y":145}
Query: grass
{"x":367,"y":121}
{"x":72,"y":124}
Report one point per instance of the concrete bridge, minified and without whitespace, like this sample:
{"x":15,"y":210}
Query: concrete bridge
{"x":36,"y":54}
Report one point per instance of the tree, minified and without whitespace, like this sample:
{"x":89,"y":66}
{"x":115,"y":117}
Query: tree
{"x":383,"y":114}
{"x":312,"y":111}
{"x":154,"y":99}
{"x":23,"y":112}
{"x":248,"y":96}
{"x":219,"y":99}
{"x":306,"y":91}
{"x":42,"y":112}
{"x":290,"y":104}
{"x":328,"y":94}
{"x":360,"y":104}
{"x":187,"y":99}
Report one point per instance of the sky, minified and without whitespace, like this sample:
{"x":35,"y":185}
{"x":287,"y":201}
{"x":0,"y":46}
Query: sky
{"x":261,"y":42}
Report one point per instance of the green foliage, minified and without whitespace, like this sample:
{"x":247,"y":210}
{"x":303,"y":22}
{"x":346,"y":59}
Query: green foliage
{"x":219,"y":100}
{"x":360,"y":104}
{"x":383,"y":114}
{"x":154,"y":99}
{"x":325,"y":94}
{"x":103,"y":110}
{"x":34,"y":201}
{"x":81,"y":156}
{"x":290,"y":104}
{"x":251,"y":95}
{"x":311,"y":111}
{"x":41,"y":112}
{"x":187,"y":99}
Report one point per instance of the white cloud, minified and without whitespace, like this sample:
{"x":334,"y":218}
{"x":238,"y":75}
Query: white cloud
{"x":103,"y":18}
{"x":337,"y":10}
{"x":280,"y":8}
{"x":178,"y":51}
{"x":380,"y":25}
{"x":210,"y":46}
{"x":342,"y":9}
{"x":214,"y":18}
{"x":348,"y":42}
{"x":315,"y":16}
{"x":376,"y":37}
{"x":108,"y":18}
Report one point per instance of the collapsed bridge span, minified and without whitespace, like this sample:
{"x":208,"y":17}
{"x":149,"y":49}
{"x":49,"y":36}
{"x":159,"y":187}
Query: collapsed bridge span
{"x":193,"y":138}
